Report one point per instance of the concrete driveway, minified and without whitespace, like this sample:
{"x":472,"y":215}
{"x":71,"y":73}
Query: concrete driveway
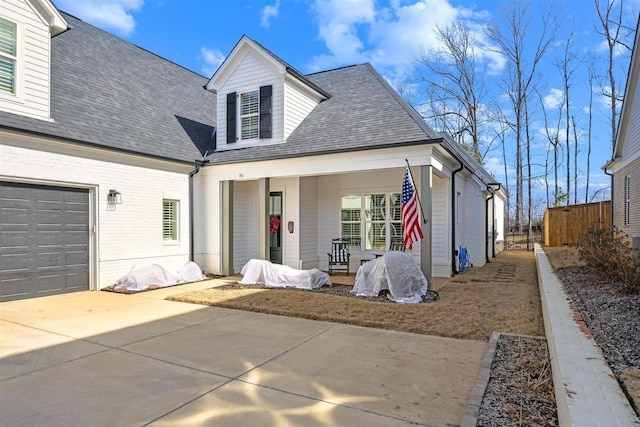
{"x":105,"y":359}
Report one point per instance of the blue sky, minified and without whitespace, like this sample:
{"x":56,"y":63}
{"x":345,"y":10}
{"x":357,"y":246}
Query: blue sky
{"x":323,"y":34}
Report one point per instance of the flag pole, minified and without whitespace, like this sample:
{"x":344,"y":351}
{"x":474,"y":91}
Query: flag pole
{"x":416,"y":190}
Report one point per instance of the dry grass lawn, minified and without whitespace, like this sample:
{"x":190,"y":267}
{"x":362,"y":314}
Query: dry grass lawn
{"x":501,"y":296}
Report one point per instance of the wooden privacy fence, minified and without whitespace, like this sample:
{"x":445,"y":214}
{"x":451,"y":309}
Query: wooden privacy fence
{"x":565,"y":225}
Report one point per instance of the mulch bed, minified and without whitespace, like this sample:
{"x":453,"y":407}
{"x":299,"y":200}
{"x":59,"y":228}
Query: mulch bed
{"x":336,"y":290}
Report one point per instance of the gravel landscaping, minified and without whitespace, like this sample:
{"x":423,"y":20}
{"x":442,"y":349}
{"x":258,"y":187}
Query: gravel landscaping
{"x":520,"y":388}
{"x":613,"y":318}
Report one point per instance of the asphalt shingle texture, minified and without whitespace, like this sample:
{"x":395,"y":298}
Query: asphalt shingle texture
{"x":108,"y":92}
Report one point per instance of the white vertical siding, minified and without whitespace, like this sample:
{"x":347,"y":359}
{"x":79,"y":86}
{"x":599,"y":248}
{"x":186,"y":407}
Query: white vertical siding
{"x":129,"y":235}
{"x":474,"y":217}
{"x":499,"y":215}
{"x":298,"y":105}
{"x":308,"y":223}
{"x":245,"y":223}
{"x":440,"y":220}
{"x":33,"y":68}
{"x":251,"y":73}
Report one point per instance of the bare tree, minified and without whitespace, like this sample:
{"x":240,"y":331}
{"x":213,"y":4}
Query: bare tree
{"x":575,"y":161}
{"x":553,"y":136}
{"x":610,"y":25}
{"x":451,"y":73}
{"x":591,"y":81}
{"x":568,"y":66}
{"x":512,"y":40}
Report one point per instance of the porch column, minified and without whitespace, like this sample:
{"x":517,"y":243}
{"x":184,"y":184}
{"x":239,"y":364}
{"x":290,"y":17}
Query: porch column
{"x":426,"y":244}
{"x":263,"y":218}
{"x":226,"y":265}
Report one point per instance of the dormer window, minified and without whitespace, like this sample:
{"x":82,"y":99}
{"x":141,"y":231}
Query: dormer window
{"x":8,"y":56}
{"x":253,"y":110}
{"x":249,"y":118}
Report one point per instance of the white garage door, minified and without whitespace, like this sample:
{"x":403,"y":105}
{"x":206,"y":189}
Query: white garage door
{"x":44,"y":240}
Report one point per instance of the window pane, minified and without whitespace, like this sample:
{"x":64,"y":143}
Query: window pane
{"x":8,"y":37}
{"x":395,"y":207}
{"x":374,"y":205}
{"x":351,"y":208}
{"x":170,"y":220}
{"x":249,"y":102}
{"x":7,"y":74}
{"x":376,"y":236}
{"x":249,"y":127}
{"x":396,"y":230}
{"x":351,"y":231}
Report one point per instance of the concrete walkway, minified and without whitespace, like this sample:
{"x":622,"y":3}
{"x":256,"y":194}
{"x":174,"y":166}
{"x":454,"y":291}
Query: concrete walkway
{"x":105,"y":359}
{"x":587,"y":393}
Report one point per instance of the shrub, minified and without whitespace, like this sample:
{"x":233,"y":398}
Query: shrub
{"x":608,"y":253}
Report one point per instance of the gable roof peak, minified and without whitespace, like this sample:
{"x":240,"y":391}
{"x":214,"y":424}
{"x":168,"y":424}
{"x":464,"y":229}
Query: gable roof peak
{"x":282,"y":67}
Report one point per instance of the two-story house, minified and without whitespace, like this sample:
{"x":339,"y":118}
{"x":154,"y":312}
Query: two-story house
{"x":113,"y":158}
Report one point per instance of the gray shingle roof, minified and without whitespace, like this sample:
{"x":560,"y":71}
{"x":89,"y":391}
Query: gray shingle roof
{"x":363,"y":113}
{"x":108,"y":92}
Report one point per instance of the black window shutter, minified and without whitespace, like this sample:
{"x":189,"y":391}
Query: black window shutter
{"x":265,"y":111}
{"x":231,"y":117}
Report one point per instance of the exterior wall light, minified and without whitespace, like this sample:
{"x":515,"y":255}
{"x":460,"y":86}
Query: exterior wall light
{"x":114,"y":198}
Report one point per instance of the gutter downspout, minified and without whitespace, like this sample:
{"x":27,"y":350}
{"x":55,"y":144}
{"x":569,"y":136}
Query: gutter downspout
{"x":611,"y":206}
{"x":454,"y":270}
{"x":492,"y":190}
{"x":191,"y":210}
{"x":486,"y":224}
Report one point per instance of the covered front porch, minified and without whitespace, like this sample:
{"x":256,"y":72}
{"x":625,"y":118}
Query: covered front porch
{"x":289,"y":210}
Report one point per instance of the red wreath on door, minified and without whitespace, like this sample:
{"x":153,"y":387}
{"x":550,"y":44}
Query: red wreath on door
{"x":274,"y":224}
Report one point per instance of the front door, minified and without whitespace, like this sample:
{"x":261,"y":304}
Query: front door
{"x":275,"y":227}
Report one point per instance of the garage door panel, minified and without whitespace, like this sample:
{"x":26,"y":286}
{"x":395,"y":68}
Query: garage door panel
{"x":76,"y":238}
{"x":14,"y":287}
{"x":18,"y":239}
{"x":76,"y":259}
{"x":44,"y":240}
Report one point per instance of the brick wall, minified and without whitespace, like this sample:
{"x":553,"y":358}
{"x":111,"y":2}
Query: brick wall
{"x":129,"y":235}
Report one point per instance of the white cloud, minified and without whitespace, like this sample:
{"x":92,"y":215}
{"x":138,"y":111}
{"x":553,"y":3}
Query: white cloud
{"x":554,"y":99}
{"x":390,"y":37}
{"x":338,"y":22}
{"x":268,"y":13}
{"x":113,"y":15}
{"x":212,"y":60}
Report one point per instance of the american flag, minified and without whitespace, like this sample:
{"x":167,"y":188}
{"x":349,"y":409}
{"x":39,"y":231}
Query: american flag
{"x":411,"y":230}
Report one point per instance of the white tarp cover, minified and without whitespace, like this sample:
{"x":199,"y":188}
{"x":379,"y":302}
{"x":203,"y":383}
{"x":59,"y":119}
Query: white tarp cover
{"x":259,"y":271}
{"x":158,"y":276}
{"x":395,"y":271}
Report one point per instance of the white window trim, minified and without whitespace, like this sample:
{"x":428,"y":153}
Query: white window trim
{"x":177,"y":222}
{"x":627,"y":200}
{"x":16,"y":97}
{"x":363,"y":219}
{"x":241,"y":116}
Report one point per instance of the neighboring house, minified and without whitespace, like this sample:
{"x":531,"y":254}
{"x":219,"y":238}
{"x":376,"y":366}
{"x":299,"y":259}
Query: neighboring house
{"x":625,"y":165}
{"x":122,"y":159}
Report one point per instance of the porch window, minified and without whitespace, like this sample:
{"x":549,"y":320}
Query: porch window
{"x":8,"y":55}
{"x":379,"y":215}
{"x":249,"y":118}
{"x":350,"y":219}
{"x":170,"y":210}
{"x":627,"y":200}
